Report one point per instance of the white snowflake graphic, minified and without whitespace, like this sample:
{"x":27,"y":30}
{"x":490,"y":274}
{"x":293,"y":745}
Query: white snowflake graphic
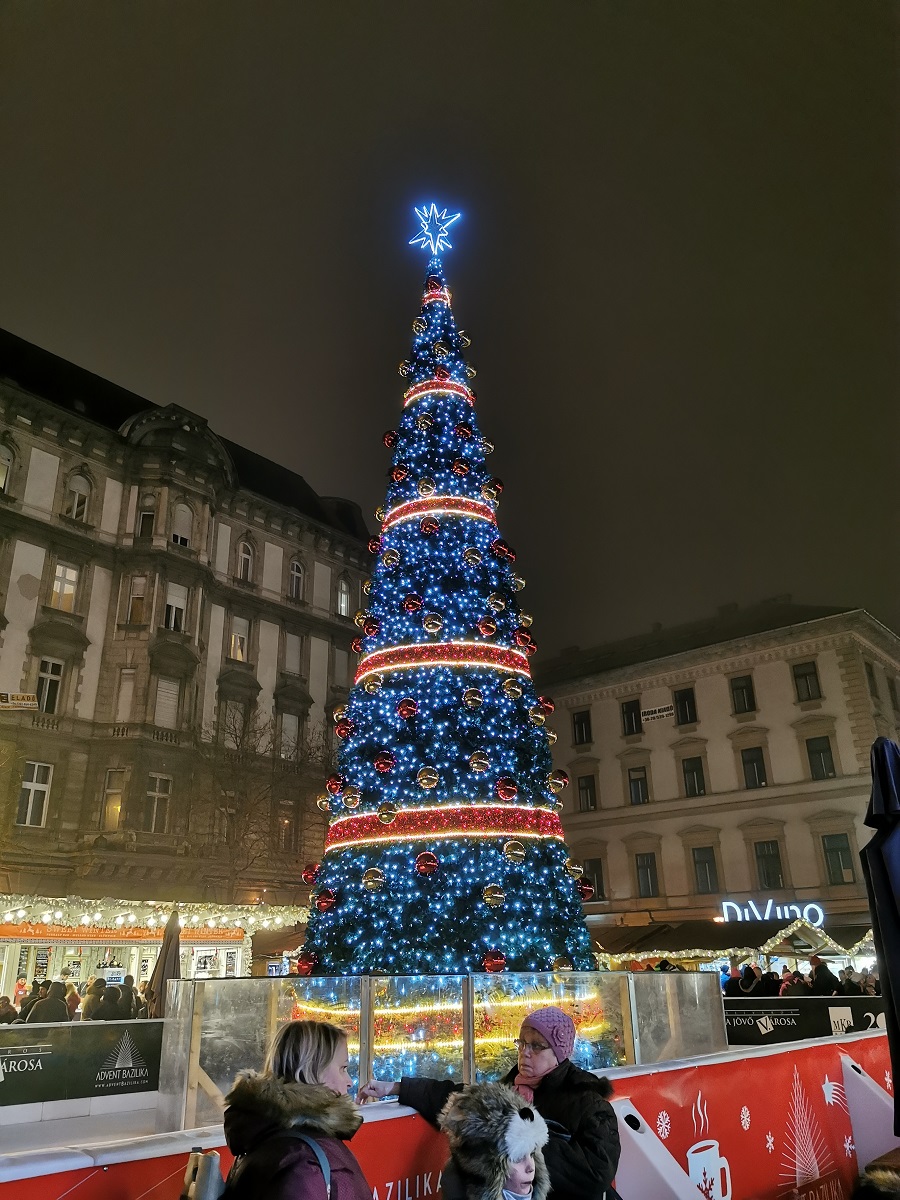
{"x":770,"y":1141}
{"x":745,"y":1118}
{"x":888,"y":1081}
{"x":663,"y":1124}
{"x":848,"y":1145}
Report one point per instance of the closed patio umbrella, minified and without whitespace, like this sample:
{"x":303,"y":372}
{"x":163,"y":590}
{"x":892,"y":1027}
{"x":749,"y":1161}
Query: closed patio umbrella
{"x":881,"y":868}
{"x":168,"y":966}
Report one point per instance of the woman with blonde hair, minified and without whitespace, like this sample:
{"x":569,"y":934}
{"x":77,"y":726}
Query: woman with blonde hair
{"x":281,"y":1120}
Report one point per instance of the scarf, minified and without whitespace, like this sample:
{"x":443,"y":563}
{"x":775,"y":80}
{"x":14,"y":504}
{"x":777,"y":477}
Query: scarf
{"x":525,"y":1084}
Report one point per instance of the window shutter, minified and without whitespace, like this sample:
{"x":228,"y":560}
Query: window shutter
{"x":176,"y":595}
{"x":126,"y":691}
{"x":167,"y":703}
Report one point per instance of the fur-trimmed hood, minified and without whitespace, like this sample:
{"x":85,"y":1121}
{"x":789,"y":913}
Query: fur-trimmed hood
{"x":259,"y":1100}
{"x":490,"y":1127}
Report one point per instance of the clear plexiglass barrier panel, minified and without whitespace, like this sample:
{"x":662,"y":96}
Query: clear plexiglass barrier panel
{"x":677,"y":1014}
{"x":418,"y":1026}
{"x":596,"y":1001}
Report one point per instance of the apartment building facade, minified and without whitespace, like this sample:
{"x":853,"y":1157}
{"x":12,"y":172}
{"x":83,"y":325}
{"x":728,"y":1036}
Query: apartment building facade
{"x":725,"y":764}
{"x":183,"y":611}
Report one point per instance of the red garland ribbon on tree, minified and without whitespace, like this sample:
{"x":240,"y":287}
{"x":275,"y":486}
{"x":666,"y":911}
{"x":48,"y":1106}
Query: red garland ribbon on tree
{"x":488,"y":820}
{"x":444,"y":654}
{"x":437,"y":387}
{"x":451,"y":506}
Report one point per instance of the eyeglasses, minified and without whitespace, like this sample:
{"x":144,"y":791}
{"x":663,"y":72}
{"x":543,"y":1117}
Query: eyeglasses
{"x":534,"y":1047}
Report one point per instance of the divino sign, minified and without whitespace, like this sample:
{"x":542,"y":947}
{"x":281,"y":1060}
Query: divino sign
{"x":812,"y":913}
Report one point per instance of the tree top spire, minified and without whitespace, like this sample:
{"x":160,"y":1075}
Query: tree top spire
{"x":433,"y":234}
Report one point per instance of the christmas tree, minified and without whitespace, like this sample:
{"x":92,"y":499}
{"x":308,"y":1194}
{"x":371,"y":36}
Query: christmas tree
{"x":445,"y":851}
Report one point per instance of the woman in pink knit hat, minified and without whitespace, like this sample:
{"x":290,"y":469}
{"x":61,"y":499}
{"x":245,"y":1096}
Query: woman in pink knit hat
{"x":583,"y":1151}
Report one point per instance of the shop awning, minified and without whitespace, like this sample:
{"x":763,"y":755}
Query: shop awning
{"x":709,"y":940}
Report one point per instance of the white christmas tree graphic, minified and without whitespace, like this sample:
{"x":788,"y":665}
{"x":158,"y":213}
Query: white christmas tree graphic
{"x":806,"y":1156}
{"x":126,"y":1054}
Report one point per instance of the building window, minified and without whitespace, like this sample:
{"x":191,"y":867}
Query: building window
{"x":77,"y":495}
{"x":292,"y":648}
{"x":593,"y":874}
{"x":768,"y":864}
{"x":182,"y":524}
{"x":168,"y":693}
{"x":821,"y":760}
{"x":290,"y":734}
{"x":743,"y":699}
{"x":234,"y":723}
{"x":638,"y":788}
{"x":706,"y":875}
{"x":113,"y":794}
{"x":136,"y":599}
{"x":806,"y":681}
{"x":6,"y":464}
{"x":871,"y":681}
{"x":156,"y":803}
{"x":48,"y":684}
{"x":245,"y":562}
{"x":581,"y":727}
{"x":838,"y":859}
{"x":343,"y":598}
{"x":35,"y":794}
{"x":65,"y":581}
{"x":146,"y":521}
{"x":126,"y":691}
{"x":176,"y":607}
{"x":685,"y":707}
{"x":631,"y":717}
{"x":295,"y":581}
{"x":587,"y":793}
{"x":645,"y":866}
{"x":694,"y":783}
{"x":239,"y":646}
{"x":287,"y":828}
{"x":754,"y":764}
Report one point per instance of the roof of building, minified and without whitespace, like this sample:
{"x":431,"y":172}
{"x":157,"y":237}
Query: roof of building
{"x":730,"y":623}
{"x":93,"y":398}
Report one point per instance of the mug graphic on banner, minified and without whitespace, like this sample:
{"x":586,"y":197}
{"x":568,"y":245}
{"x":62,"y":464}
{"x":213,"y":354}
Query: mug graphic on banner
{"x":707,"y":1168}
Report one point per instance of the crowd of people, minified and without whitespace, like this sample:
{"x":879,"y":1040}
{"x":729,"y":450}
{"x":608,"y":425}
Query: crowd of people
{"x":63,"y":1000}
{"x":752,"y":980}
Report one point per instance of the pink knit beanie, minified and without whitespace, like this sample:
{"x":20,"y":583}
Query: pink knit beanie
{"x":556,"y":1027}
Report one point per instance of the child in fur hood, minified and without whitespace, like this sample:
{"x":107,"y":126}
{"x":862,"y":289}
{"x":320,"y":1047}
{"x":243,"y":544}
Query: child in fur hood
{"x":495,"y":1146}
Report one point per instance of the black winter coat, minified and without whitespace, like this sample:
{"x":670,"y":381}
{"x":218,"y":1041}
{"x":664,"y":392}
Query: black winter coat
{"x":583,"y":1152}
{"x":825,"y":982}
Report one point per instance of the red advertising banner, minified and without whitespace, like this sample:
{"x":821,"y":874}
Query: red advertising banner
{"x":796,"y":1122}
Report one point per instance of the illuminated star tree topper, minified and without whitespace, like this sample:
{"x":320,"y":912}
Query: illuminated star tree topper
{"x":433,"y":236}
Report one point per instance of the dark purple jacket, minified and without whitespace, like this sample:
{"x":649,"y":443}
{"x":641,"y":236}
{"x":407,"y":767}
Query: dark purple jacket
{"x":271,"y":1165}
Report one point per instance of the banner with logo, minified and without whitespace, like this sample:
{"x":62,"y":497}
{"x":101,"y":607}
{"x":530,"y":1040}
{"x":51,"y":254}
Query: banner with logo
{"x":794,"y":1018}
{"x":65,"y":1062}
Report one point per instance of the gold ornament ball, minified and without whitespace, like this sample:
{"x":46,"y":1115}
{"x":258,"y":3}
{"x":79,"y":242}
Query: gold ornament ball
{"x":351,"y":797}
{"x":441,"y":349}
{"x":373,"y":879}
{"x":387,"y":813}
{"x":526,"y":620}
{"x":419,"y":324}
{"x":426,"y":487}
{"x":493,"y":895}
{"x":380,"y":512}
{"x":427,"y":778}
{"x":373,"y":684}
{"x":359,"y":617}
{"x":473,"y":698}
{"x":472,"y":556}
{"x":479,"y":761}
{"x":470,"y":371}
{"x":391,"y":557}
{"x":425,"y":422}
{"x":487,"y":446}
{"x":563,"y":964}
{"x":489,"y":493}
{"x":552,"y":737}
{"x":339,"y":713}
{"x":367,"y":587}
{"x":576,"y":870}
{"x":324,"y":803}
{"x":557,"y":781}
{"x":496,"y":602}
{"x":512,"y":688}
{"x":537,"y":715}
{"x":433,"y":622}
{"x":514,"y":851}
{"x":517,"y":583}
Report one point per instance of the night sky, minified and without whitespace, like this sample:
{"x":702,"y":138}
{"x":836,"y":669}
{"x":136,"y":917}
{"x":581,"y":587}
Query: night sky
{"x":676,"y":261}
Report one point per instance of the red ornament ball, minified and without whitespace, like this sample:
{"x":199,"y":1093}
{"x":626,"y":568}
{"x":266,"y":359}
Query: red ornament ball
{"x":459,"y":466}
{"x":506,"y":788}
{"x":585,"y":889}
{"x":356,"y":645}
{"x":390,"y":438}
{"x":371,"y":626}
{"x":433,"y":283}
{"x":399,"y":473}
{"x":494,"y":961}
{"x":521,"y":637}
{"x":407,"y":708}
{"x":531,"y":648}
{"x":463,"y":430}
{"x":442,"y":374}
{"x":344,"y":728}
{"x":307,"y":962}
{"x":426,"y":863}
{"x":326,"y":900}
{"x":385,"y":761}
{"x":375,"y":545}
{"x":429,"y":526}
{"x":413,"y":603}
{"x":334,"y":784}
{"x":503,"y":550}
{"x":497,"y":485}
{"x":309,"y":873}
{"x":546,"y":704}
{"x":487,"y":627}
